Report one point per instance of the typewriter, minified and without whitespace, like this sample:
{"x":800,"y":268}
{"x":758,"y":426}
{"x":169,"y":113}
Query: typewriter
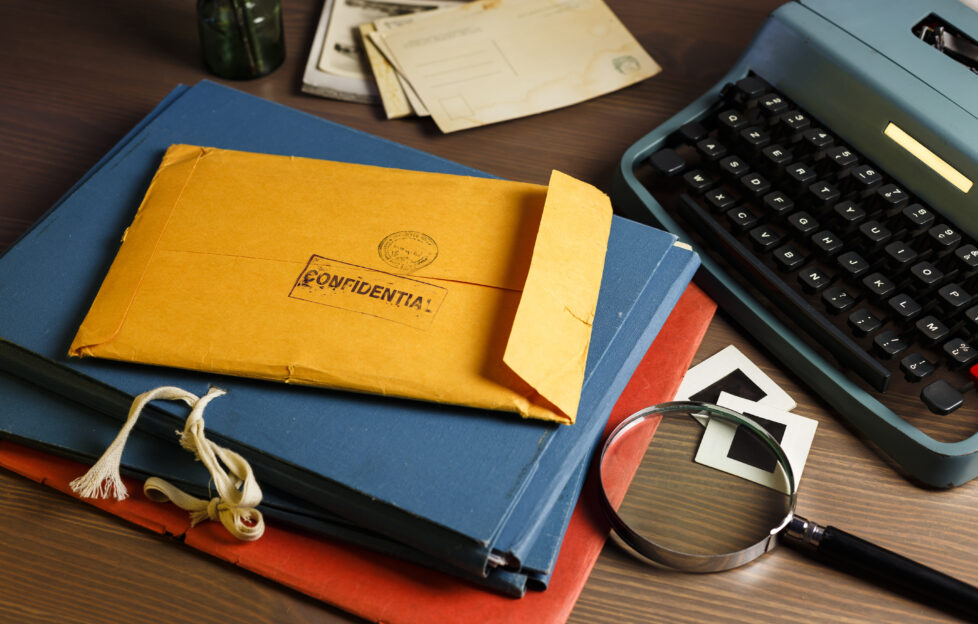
{"x":828,"y":182}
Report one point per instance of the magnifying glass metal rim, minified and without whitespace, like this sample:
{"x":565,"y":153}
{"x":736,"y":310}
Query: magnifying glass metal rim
{"x":694,"y":562}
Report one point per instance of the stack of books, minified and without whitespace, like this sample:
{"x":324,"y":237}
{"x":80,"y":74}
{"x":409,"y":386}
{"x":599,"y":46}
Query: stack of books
{"x":484,"y":496}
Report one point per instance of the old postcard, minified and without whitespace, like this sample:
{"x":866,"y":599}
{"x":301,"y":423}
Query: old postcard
{"x":491,"y":60}
{"x":342,"y":53}
{"x":397,"y":95}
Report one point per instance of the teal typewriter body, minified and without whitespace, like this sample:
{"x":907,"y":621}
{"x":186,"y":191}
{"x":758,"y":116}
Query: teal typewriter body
{"x":862,"y":118}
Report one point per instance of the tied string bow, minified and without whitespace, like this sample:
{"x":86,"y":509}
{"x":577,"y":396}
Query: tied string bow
{"x":238,"y":493}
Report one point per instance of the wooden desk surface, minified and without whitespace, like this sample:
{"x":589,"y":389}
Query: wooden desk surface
{"x":77,"y":75}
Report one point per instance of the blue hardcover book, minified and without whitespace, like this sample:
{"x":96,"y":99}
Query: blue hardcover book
{"x":466,"y":487}
{"x":38,"y":418}
{"x":35,"y":417}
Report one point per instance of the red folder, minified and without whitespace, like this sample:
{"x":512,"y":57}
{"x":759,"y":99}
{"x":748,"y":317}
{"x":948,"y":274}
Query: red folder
{"x":335,"y":572}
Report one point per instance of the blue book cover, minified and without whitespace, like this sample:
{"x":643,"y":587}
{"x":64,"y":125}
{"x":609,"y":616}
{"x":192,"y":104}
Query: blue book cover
{"x":449,"y":482}
{"x":52,"y":423}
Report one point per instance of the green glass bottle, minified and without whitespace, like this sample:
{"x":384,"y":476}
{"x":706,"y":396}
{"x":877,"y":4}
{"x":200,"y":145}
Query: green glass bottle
{"x":241,"y":39}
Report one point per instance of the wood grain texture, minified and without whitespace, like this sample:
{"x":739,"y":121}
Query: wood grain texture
{"x":76,"y":76}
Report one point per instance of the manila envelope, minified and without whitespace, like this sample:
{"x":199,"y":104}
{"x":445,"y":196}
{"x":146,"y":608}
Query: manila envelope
{"x":492,"y":60}
{"x":420,"y":285}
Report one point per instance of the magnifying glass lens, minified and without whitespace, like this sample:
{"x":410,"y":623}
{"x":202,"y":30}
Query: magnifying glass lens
{"x":710,"y":488}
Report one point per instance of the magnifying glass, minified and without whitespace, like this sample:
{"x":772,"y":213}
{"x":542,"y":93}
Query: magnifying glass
{"x":678,"y":502}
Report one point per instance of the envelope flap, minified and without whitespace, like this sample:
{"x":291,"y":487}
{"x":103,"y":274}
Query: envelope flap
{"x":121,"y":283}
{"x":548,"y":344}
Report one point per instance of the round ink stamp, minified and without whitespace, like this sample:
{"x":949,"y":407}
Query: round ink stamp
{"x":408,"y":251}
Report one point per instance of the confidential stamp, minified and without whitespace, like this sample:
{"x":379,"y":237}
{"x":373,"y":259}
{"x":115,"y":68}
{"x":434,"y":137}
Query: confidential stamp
{"x":408,"y":251}
{"x":367,"y":291}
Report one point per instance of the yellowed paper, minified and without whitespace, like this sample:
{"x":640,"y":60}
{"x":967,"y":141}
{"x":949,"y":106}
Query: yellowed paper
{"x":492,"y":60}
{"x":392,"y":96}
{"x":419,"y":285}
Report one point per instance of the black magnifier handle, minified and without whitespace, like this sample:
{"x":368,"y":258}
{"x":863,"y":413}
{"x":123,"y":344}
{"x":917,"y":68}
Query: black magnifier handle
{"x":886,"y":568}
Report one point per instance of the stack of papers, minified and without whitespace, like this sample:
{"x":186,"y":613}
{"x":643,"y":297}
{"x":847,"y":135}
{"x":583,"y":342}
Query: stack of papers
{"x":481,"y":494}
{"x":472,"y":64}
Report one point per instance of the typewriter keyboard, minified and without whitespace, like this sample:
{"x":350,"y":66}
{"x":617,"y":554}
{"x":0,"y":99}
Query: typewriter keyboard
{"x":863,"y":270}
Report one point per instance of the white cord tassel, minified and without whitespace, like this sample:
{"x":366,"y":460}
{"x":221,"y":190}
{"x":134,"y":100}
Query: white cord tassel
{"x":238,"y":493}
{"x":103,"y":480}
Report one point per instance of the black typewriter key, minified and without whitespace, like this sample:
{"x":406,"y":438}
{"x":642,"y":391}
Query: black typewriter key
{"x":879,"y":286}
{"x":925,"y":275}
{"x":916,"y":367}
{"x":691,"y":132}
{"x":720,"y":198}
{"x":750,"y":88}
{"x":800,"y":175}
{"x":891,"y":197}
{"x":943,"y":238}
{"x":852,"y":264}
{"x":823,"y":194}
{"x":827,"y":243}
{"x":967,"y":259}
{"x":848,"y":214}
{"x":888,"y":343}
{"x":931,"y":329}
{"x":916,"y":217}
{"x":732,"y":120}
{"x":773,"y":104}
{"x":775,"y":158}
{"x":667,"y":161}
{"x":865,"y":178}
{"x":941,"y":397}
{"x":837,"y":299}
{"x":794,"y":122}
{"x":734,"y":166}
{"x":899,"y":255}
{"x":863,"y":322}
{"x":777,"y":203}
{"x":754,"y":184}
{"x":971,"y":314}
{"x":741,"y":219}
{"x":953,"y":298}
{"x":840,"y":160}
{"x":711,"y":149}
{"x":959,"y":352}
{"x":766,"y":237}
{"x":904,"y":307}
{"x":697,"y":181}
{"x":814,"y":278}
{"x":802,"y":223}
{"x":788,"y":257}
{"x":873,"y":234}
{"x":754,"y":139}
{"x":816,"y":139}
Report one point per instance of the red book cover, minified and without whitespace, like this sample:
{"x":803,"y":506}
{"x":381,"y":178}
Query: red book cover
{"x":335,"y":572}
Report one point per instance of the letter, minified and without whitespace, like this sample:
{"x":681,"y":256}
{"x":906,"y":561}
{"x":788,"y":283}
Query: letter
{"x":374,"y":293}
{"x":336,"y":282}
{"x":416,"y":303}
{"x":388,"y":294}
{"x":323,"y":279}
{"x":363,"y":291}
{"x":400,"y":296}
{"x":309,"y":276}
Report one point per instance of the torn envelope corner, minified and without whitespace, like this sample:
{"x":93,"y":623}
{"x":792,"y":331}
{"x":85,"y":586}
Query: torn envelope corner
{"x":551,"y":333}
{"x":436,"y":287}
